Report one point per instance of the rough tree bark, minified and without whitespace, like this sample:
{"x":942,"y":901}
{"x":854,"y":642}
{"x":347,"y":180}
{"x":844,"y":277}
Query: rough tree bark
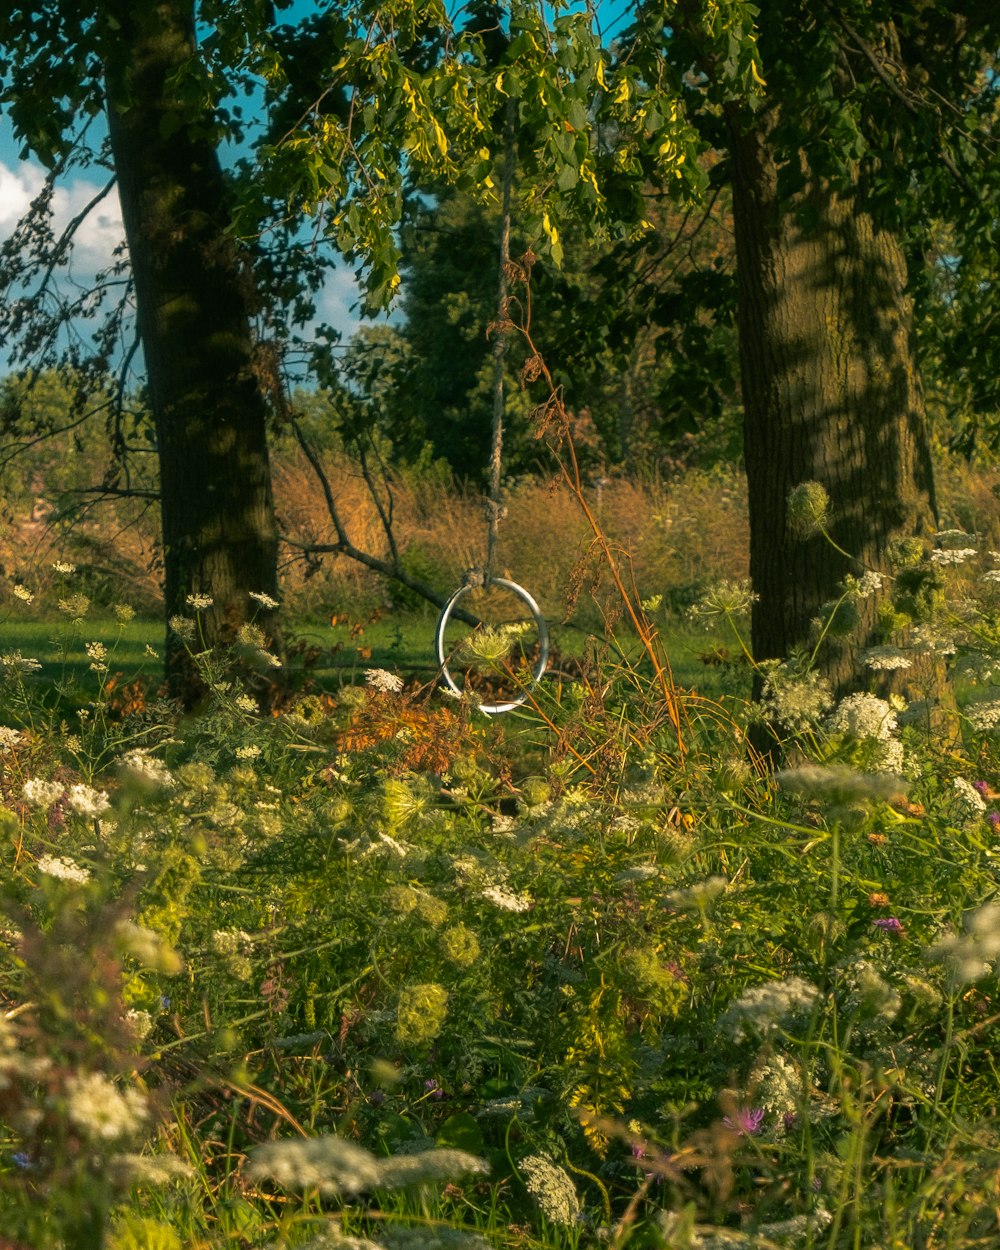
{"x":194,"y":298}
{"x":831,"y":394}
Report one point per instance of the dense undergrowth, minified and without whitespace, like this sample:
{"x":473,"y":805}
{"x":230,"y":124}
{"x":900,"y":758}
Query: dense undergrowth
{"x":379,"y":971}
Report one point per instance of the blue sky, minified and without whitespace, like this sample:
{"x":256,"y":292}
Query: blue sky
{"x":102,"y":231}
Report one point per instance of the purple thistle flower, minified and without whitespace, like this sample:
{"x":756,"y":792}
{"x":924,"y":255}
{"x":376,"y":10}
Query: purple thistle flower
{"x":889,"y":924}
{"x":994,"y":819}
{"x":745,"y":1121}
{"x":981,"y":786}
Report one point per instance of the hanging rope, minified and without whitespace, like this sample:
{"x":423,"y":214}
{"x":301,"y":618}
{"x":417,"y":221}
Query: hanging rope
{"x":496,"y":509}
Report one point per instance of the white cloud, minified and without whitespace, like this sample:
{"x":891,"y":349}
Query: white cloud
{"x":96,"y":237}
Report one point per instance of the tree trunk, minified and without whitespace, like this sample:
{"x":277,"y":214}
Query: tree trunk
{"x":194,"y":297}
{"x":831,"y":394}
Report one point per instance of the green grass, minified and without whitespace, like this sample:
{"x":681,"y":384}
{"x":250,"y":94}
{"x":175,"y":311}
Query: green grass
{"x":337,"y":655}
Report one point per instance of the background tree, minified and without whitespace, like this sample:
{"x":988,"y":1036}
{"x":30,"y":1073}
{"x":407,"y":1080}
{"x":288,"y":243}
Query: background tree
{"x":140,"y":65}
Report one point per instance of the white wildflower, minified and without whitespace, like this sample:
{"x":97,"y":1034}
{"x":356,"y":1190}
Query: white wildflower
{"x":183,"y":627}
{"x":63,"y":566}
{"x":145,"y":770}
{"x":268,"y":658}
{"x":15,"y":664}
{"x":98,"y":654}
{"x":37,"y":792}
{"x":329,"y":1165}
{"x":764,"y":1009}
{"x":552,"y":1188}
{"x":885,"y":659}
{"x":428,"y":1166}
{"x":862,"y":716}
{"x":264,"y":600}
{"x":247,"y":704}
{"x":925,"y":638}
{"x":794,"y":701}
{"x":136,"y":1169}
{"x":75,"y":606}
{"x":386,"y":683}
{"x":199,"y":602}
{"x":638,"y":872}
{"x":100,"y":1110}
{"x":991,"y":575}
{"x":140,"y":1022}
{"x":839,"y":783}
{"x":955,"y":555}
{"x":968,"y":797}
{"x":248,"y":752}
{"x":970,"y":956}
{"x":9,"y":737}
{"x":63,"y":868}
{"x":863,"y":587}
{"x":723,"y":600}
{"x":86,"y":801}
{"x":776,"y":1085}
{"x":22,"y":593}
{"x":696,"y":896}
{"x":148,"y":949}
{"x":506,"y":899}
{"x":984,"y":715}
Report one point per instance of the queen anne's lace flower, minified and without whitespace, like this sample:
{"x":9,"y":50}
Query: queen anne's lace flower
{"x":63,"y":868}
{"x":862,"y":716}
{"x":764,"y":1009}
{"x":100,"y":1110}
{"x":385,"y":682}
{"x":40,"y":793}
{"x":86,"y":801}
{"x":552,"y":1188}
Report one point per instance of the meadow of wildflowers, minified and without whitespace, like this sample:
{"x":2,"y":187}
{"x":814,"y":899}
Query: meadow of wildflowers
{"x":376,"y":971}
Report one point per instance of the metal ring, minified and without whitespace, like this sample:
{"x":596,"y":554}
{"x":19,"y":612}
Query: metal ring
{"x":493,"y":709}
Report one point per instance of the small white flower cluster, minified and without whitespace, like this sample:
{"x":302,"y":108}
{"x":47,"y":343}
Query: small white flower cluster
{"x":22,"y":593}
{"x":952,"y":556}
{"x":98,"y":654}
{"x":86,"y":801}
{"x":382,"y":681}
{"x":37,"y":792}
{"x":100,"y":1110}
{"x":984,"y":715}
{"x":76,"y":607}
{"x":14,"y":664}
{"x":866,"y":717}
{"x":863,"y":716}
{"x":506,"y":899}
{"x":333,"y":1165}
{"x":135,"y":1169}
{"x":968,"y":798}
{"x":796,"y":702}
{"x":970,"y":956}
{"x":552,"y":1188}
{"x":696,"y":897}
{"x":762,"y":1010}
{"x":886,"y":659}
{"x":199,"y":602}
{"x":863,"y":587}
{"x":250,"y":752}
{"x":723,"y":600}
{"x":64,"y":567}
{"x":145,"y":770}
{"x":928,"y":640}
{"x":62,"y":868}
{"x":9,"y":737}
{"x":265,"y":601}
{"x":776,"y":1085}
